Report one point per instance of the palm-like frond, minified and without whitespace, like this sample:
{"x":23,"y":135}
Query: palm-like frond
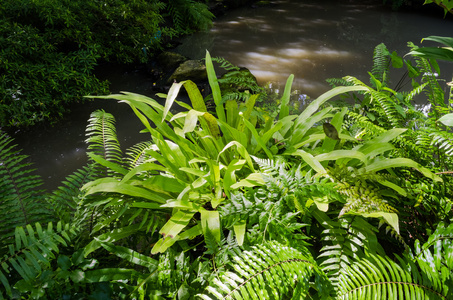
{"x":268,"y":271}
{"x":21,"y":202}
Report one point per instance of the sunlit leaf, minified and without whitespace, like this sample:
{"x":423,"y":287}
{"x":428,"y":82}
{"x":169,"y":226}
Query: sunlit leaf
{"x":210,"y":220}
{"x":172,"y":94}
{"x":446,"y":119}
{"x":239,"y":231}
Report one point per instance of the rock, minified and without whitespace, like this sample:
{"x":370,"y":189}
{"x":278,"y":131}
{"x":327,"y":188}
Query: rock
{"x":170,"y":60}
{"x":194,"y":70}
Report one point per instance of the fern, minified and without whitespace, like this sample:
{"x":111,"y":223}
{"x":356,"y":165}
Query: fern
{"x":102,"y":140}
{"x":362,"y":125}
{"x":268,"y":271}
{"x":224,"y":64}
{"x":435,"y":259}
{"x":424,"y":274}
{"x":32,"y":253}
{"x":381,"y":278}
{"x":136,"y":155}
{"x":189,"y":15}
{"x":381,"y":63}
{"x":21,"y":201}
{"x":344,"y":241}
{"x":67,"y":197}
{"x":434,"y":92}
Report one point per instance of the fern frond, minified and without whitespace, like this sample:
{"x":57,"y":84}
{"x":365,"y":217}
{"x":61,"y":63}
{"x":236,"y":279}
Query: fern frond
{"x":188,"y":15}
{"x":101,"y":137}
{"x":381,"y":278}
{"x":433,"y":89}
{"x":443,"y":140}
{"x":136,"y":155}
{"x":32,"y":253}
{"x":365,"y":128}
{"x":388,"y":106}
{"x":21,"y":202}
{"x":224,"y":64}
{"x":415,"y":92}
{"x":345,"y":241}
{"x":381,"y":63}
{"x":268,"y":271}
{"x":333,"y":82}
{"x":435,"y":258}
{"x":66,"y":198}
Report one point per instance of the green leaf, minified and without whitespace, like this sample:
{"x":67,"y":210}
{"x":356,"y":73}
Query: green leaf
{"x":338,"y":154}
{"x":111,"y":165}
{"x":241,"y":150}
{"x":191,"y":233}
{"x":434,"y":53}
{"x":396,"y":163}
{"x":309,"y":159}
{"x":111,"y":185}
{"x":448,"y":41}
{"x":163,"y":244}
{"x":214,"y":84}
{"x":330,"y":131}
{"x":130,"y":255}
{"x":314,"y":106}
{"x":112,"y":236}
{"x":195,"y":96}
{"x":322,"y":203}
{"x":284,"y":109}
{"x":230,"y":178}
{"x":111,"y":274}
{"x":172,"y":94}
{"x":397,"y":61}
{"x":254,"y":179}
{"x":239,"y":231}
{"x":210,"y":220}
{"x":258,"y":139}
{"x":144,"y":167}
{"x":390,"y":218}
{"x":446,"y":119}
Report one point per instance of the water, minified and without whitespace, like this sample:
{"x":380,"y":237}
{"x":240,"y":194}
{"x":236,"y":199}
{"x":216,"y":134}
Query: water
{"x":313,"y":41}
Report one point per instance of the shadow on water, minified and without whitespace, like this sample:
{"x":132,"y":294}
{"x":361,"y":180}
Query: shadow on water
{"x":313,"y":41}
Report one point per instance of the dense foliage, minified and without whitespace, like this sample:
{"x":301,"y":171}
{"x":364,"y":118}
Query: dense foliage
{"x":49,"y":48}
{"x":447,"y":5}
{"x":333,"y":202}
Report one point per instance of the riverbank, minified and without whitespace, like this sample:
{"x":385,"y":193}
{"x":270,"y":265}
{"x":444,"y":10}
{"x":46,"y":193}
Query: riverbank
{"x":273,"y":42}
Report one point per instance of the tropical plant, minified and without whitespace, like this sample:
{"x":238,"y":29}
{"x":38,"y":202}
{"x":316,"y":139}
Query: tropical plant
{"x":21,"y":200}
{"x":330,"y":203}
{"x":447,"y":5}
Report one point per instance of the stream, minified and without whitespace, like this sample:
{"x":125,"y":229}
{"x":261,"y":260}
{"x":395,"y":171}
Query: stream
{"x":313,"y":41}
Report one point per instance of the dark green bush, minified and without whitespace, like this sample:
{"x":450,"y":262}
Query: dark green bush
{"x":49,"y":48}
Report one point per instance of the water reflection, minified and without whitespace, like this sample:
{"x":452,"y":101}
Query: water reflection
{"x":313,"y":41}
